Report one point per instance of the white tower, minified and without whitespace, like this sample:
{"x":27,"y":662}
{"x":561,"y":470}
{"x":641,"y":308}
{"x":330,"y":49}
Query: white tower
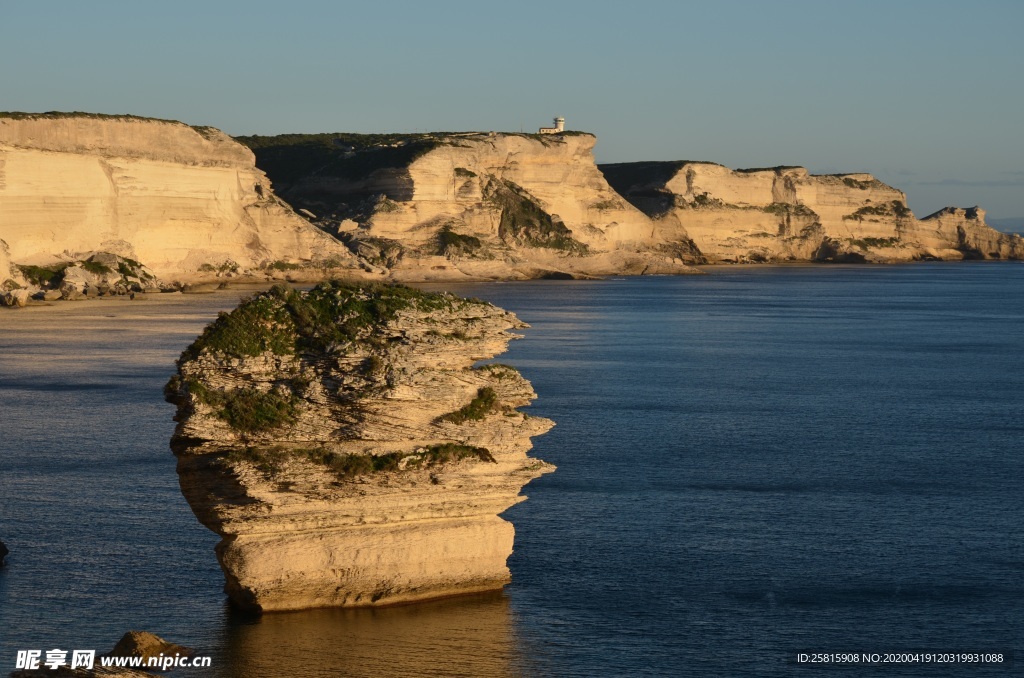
{"x":559,"y":127}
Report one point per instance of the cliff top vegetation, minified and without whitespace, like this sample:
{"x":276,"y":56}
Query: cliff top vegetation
{"x":285,"y":321}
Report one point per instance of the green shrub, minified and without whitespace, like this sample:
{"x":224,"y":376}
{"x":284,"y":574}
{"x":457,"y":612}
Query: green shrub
{"x":258,"y":325}
{"x":252,"y":411}
{"x":129,"y":268}
{"x":246,"y":409}
{"x":96,"y":267}
{"x":446,"y":452}
{"x":449,"y":242}
{"x":901,"y":209}
{"x":485,"y":401}
{"x":785,"y":209}
{"x":44,"y":276}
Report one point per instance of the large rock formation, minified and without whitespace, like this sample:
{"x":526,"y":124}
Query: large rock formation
{"x":484,"y":205}
{"x":345,"y":448}
{"x":182,"y":200}
{"x":785,"y":214}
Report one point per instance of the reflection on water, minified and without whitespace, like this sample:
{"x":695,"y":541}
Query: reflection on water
{"x":464,"y":636}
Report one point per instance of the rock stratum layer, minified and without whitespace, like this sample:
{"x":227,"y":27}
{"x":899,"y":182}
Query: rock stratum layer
{"x":787,"y":214}
{"x":179,"y":199}
{"x":484,"y":205}
{"x":346,"y":449}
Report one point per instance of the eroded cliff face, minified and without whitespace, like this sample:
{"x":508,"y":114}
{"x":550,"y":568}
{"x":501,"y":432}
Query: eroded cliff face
{"x":483,"y":205}
{"x":345,"y":448}
{"x":786,"y":214}
{"x":179,"y":199}
{"x":10,"y":276}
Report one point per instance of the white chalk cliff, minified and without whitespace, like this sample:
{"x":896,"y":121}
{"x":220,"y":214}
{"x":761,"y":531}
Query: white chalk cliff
{"x":788,"y":214}
{"x":190,"y":203}
{"x":489,"y":205}
{"x":176,"y":198}
{"x":347,"y":450}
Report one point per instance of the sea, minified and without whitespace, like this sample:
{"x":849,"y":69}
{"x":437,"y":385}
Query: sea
{"x":762,"y":471}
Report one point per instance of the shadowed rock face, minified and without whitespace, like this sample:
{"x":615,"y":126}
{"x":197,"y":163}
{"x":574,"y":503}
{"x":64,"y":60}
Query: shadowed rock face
{"x":345,"y":448}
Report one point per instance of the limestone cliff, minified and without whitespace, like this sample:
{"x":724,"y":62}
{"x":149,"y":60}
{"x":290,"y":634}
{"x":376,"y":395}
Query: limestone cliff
{"x":484,"y":205}
{"x":181,"y":200}
{"x":345,"y":448}
{"x":785,"y":214}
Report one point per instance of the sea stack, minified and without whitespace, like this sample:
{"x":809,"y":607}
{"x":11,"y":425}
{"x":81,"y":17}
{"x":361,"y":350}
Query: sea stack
{"x":347,"y":450}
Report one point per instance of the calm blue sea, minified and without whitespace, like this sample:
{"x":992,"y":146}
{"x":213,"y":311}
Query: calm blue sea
{"x":752,"y":463}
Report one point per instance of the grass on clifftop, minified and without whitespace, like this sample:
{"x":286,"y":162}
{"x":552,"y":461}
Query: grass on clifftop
{"x":283,"y":320}
{"x":203,"y":130}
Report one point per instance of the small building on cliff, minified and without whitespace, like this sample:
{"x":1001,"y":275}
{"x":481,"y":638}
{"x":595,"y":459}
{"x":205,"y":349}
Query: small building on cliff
{"x":559,"y":127}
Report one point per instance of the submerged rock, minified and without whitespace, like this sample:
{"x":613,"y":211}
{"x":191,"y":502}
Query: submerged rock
{"x":347,"y":451}
{"x":140,"y":644}
{"x":146,"y":645}
{"x":3,"y":553}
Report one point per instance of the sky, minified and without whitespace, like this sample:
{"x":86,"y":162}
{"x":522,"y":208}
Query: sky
{"x":926,"y":96}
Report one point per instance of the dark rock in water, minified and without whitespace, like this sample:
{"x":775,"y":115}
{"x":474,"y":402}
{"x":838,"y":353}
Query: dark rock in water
{"x":3,"y":553}
{"x":146,"y":645}
{"x":132,"y":644}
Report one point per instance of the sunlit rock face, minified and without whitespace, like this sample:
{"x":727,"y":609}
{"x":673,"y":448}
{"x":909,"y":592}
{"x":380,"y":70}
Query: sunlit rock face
{"x":181,"y":200}
{"x":787,"y":214}
{"x":347,"y":450}
{"x":484,"y":205}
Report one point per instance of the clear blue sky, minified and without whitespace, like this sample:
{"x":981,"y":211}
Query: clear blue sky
{"x":927,"y":96}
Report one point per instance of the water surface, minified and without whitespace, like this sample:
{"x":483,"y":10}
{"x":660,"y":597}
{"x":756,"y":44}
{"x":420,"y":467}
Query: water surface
{"x":751,"y":463}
